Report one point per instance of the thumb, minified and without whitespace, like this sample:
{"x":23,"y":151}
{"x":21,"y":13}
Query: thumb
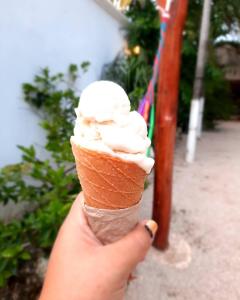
{"x":133,"y":248}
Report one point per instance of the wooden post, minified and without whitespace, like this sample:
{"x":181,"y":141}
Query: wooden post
{"x":166,"y":116}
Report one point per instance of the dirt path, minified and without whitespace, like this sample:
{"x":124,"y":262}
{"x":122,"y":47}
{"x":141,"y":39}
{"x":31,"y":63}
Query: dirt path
{"x":206,"y":214}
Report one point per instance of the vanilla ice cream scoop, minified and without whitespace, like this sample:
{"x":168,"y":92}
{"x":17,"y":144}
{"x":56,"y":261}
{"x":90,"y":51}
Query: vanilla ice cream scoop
{"x":105,"y":124}
{"x":103,"y":101}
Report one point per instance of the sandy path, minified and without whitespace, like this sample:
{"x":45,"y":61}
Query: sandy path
{"x":206,"y":214}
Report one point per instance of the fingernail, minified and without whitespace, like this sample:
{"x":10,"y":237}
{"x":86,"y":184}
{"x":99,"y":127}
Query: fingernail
{"x":151,"y":227}
{"x":131,"y":277}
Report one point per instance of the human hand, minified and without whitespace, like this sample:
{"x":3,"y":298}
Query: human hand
{"x":81,"y":268}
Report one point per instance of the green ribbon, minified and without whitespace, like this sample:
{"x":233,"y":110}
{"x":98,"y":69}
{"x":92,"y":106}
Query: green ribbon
{"x":151,"y":127}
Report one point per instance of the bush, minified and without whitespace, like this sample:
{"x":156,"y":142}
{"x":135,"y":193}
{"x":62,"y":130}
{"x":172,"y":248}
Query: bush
{"x":49,"y":186}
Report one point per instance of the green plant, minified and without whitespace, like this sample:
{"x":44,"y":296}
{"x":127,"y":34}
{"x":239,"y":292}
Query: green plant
{"x":57,"y":107}
{"x":13,"y":249}
{"x":50,"y":185}
{"x":223,"y":18}
{"x":132,"y":73}
{"x":143,"y":30}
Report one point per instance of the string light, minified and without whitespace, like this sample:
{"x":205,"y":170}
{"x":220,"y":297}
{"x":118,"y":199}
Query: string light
{"x":124,"y":3}
{"x":136,"y":50}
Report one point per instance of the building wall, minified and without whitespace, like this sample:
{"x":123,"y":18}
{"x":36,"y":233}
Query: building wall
{"x":225,"y":54}
{"x":54,"y":33}
{"x":228,"y":57}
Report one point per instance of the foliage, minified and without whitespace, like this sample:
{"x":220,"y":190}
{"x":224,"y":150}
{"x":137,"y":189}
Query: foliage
{"x":225,"y":17}
{"x":222,"y":19}
{"x":132,"y":73}
{"x":12,"y":249}
{"x":143,"y":30}
{"x":47,"y":95}
{"x":49,"y":185}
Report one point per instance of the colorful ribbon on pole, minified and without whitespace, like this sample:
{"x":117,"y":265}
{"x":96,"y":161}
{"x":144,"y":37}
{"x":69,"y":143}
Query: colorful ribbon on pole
{"x":147,"y":105}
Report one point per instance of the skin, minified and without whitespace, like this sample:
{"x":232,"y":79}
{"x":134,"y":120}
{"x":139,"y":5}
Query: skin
{"x":81,"y":268}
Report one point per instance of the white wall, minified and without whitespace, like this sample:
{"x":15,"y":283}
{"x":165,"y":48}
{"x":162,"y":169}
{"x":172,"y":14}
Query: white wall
{"x":53,"y":33}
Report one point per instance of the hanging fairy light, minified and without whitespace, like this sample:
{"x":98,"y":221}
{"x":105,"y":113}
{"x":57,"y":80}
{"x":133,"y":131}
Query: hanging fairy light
{"x":136,"y":50}
{"x":124,"y":4}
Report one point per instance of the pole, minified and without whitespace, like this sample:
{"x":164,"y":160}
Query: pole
{"x":166,"y":116}
{"x":200,"y":117}
{"x":198,"y":83}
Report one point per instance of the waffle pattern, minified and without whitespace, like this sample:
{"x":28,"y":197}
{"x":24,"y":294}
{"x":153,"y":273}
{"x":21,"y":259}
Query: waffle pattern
{"x":108,"y":182}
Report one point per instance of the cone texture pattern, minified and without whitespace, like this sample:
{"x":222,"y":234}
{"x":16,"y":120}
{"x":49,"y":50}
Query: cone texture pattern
{"x":108,"y":182}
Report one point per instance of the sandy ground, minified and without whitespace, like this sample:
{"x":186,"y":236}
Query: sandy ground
{"x":206,"y":216}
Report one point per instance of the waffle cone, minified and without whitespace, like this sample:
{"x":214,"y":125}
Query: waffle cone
{"x":108,"y":182}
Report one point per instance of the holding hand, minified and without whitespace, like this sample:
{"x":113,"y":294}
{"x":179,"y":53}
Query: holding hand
{"x":81,"y":268}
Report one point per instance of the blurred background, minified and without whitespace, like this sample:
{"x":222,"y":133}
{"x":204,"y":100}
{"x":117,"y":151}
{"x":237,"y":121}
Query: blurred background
{"x":49,"y":52}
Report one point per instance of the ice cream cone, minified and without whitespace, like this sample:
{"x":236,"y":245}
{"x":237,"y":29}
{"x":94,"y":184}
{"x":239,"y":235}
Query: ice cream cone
{"x":108,"y":182}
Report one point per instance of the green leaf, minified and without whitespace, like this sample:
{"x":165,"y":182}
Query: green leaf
{"x":85,"y":66}
{"x":25,"y":255}
{"x":73,"y":68}
{"x":11,"y":252}
{"x":2,"y":280}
